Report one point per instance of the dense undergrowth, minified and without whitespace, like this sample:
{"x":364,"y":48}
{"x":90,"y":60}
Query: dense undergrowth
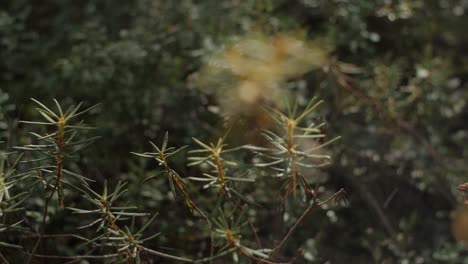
{"x":392,"y":76}
{"x":228,"y":226}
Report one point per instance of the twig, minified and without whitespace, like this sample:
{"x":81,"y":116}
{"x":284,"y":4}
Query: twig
{"x":77,"y":260}
{"x":3,"y":259}
{"x":371,"y":201}
{"x":59,"y":142}
{"x":43,"y":224}
{"x":299,"y":221}
{"x":278,"y":248}
{"x":213,"y":257}
{"x":204,"y":216}
{"x":164,"y":255}
{"x":150,"y":251}
{"x":259,"y":260}
{"x":76,"y":257}
{"x":95,"y":244}
{"x":186,"y":196}
{"x":59,"y":236}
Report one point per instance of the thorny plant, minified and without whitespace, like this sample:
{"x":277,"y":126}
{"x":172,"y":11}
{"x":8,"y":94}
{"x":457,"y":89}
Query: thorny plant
{"x":218,"y":176}
{"x":115,"y":221}
{"x":228,"y":231}
{"x":286,"y":155}
{"x":10,"y":202}
{"x":57,"y":146}
{"x":8,"y":178}
{"x":175,"y":180}
{"x":108,"y":216}
{"x":54,"y":149}
{"x":162,"y":156}
{"x":110,"y":222}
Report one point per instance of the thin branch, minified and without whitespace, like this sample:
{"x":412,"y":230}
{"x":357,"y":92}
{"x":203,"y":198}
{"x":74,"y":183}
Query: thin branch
{"x":278,"y":248}
{"x":299,"y":221}
{"x":43,"y":224}
{"x":259,"y":260}
{"x":164,"y":255}
{"x":77,"y":260}
{"x":186,"y":196}
{"x":76,"y":257}
{"x":59,"y":236}
{"x":3,"y":259}
{"x":333,"y":197}
{"x":150,"y":251}
{"x":213,"y":257}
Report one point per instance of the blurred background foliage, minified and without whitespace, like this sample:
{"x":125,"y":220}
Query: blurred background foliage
{"x":394,"y":85}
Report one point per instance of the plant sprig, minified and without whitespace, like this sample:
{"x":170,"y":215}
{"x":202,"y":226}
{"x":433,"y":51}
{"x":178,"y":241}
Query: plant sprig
{"x":285,"y":156}
{"x":55,"y":148}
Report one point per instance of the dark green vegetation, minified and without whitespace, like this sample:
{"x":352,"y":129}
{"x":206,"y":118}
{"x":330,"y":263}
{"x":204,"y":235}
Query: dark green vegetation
{"x":393,"y":84}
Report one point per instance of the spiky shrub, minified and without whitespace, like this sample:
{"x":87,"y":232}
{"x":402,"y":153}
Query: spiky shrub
{"x":286,"y":156}
{"x":10,"y":202}
{"x":120,"y":237}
